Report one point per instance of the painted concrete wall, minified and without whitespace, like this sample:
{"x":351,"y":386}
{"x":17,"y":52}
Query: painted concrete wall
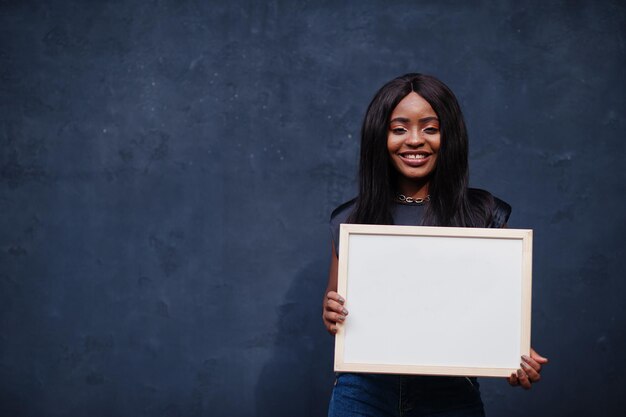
{"x":167,"y":169}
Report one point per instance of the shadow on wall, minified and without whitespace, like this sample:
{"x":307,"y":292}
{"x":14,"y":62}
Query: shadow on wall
{"x":298,"y":378}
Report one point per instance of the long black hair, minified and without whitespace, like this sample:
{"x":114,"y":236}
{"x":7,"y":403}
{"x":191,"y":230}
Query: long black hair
{"x":451,"y":202}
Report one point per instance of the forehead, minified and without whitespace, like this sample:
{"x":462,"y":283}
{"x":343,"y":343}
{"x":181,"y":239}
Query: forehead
{"x":413,"y":105}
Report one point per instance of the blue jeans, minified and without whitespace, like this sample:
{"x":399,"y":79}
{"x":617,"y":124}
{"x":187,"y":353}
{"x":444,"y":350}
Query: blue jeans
{"x":378,"y":395}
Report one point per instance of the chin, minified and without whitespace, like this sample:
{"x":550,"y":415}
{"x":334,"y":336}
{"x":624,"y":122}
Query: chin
{"x":420,"y":175}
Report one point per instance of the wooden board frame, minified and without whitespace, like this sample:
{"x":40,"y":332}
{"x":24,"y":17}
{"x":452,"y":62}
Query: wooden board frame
{"x":473,"y":236}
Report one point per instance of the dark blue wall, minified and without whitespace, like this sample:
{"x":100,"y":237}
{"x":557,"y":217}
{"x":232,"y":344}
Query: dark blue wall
{"x":167,"y":169}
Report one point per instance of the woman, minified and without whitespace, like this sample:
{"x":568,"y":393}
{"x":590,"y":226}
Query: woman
{"x":414,"y":171}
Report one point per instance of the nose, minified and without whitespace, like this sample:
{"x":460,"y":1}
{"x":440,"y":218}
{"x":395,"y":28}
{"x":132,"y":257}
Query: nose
{"x":414,"y":138}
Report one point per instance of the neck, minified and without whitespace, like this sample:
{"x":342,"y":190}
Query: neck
{"x":413,"y":189}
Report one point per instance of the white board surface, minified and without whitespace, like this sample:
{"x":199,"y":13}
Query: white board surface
{"x":434,"y":300}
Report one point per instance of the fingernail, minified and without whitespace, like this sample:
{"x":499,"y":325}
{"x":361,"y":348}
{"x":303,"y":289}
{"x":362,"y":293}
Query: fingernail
{"x":341,"y":300}
{"x":342,"y":318}
{"x":345,"y":312}
{"x":526,"y":358}
{"x":524,"y":365}
{"x":519,"y":373}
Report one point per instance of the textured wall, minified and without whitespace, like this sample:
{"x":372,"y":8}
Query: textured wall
{"x":167,"y":169}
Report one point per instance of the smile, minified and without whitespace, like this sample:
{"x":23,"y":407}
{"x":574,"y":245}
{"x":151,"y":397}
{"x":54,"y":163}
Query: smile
{"x":414,"y":156}
{"x":414,"y":159}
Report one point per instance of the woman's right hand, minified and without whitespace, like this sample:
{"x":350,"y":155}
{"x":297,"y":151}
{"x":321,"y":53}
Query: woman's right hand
{"x":334,"y":312}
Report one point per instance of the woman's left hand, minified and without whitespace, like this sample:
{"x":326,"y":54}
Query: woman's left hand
{"x":529,"y":373}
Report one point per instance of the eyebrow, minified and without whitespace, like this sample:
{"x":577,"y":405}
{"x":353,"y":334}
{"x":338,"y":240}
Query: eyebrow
{"x":422,"y":120}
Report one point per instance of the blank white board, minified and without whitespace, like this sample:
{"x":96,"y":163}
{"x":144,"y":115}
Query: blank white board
{"x":434,"y":300}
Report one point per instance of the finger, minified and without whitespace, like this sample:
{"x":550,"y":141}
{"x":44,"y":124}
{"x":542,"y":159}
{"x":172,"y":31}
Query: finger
{"x":336,"y":307}
{"x":334,"y":317}
{"x":513,"y":381}
{"x":533,"y":363}
{"x":540,"y":359}
{"x":533,"y":375}
{"x":523,"y":379}
{"x":331,"y":327}
{"x":334,"y":296}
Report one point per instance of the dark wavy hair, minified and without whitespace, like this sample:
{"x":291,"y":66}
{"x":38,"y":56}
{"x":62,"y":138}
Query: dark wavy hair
{"x":452,"y":203}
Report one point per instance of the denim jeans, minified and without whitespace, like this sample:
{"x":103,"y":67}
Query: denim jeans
{"x":378,"y":395}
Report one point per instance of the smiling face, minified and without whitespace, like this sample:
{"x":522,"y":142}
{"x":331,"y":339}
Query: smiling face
{"x":413,"y":142}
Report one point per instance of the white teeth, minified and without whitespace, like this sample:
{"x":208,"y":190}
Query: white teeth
{"x":414,"y":156}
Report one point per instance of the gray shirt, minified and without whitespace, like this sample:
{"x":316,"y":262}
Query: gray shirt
{"x":403,"y":214}
{"x":411,"y":214}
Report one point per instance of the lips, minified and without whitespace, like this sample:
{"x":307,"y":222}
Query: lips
{"x":414,"y":159}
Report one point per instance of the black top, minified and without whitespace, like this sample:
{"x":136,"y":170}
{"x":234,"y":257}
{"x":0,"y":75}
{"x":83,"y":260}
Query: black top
{"x":409,"y":214}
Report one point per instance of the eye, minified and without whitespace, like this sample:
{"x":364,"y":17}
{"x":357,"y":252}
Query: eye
{"x":398,"y":130}
{"x":431,"y":130}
